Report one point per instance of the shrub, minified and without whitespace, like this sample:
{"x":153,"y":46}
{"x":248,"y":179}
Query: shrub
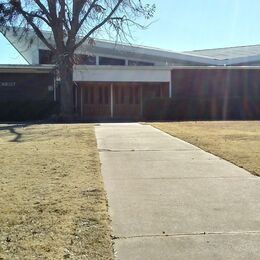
{"x":27,"y":110}
{"x":212,"y":108}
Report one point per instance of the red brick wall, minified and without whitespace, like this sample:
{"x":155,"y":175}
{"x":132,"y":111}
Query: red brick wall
{"x":216,"y":82}
{"x":27,"y":86}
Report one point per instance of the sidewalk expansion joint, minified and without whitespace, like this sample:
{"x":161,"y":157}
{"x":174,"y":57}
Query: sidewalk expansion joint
{"x":164,"y":235}
{"x":142,"y":150}
{"x":188,"y":178}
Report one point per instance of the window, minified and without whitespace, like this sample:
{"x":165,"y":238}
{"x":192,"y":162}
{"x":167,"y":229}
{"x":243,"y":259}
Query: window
{"x":139,"y":63}
{"x":46,"y":57}
{"x":81,"y":59}
{"x":111,"y":61}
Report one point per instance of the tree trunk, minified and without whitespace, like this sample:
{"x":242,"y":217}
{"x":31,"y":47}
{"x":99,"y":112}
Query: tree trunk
{"x":66,"y":88}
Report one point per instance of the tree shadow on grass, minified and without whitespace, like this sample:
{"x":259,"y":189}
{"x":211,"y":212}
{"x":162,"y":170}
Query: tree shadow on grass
{"x":13,"y":130}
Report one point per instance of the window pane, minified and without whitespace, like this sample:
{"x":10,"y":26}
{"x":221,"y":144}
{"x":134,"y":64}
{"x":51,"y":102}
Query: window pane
{"x":111,"y":61}
{"x":81,"y":59}
{"x":45,"y":57}
{"x":91,"y":60}
{"x":139,"y":63}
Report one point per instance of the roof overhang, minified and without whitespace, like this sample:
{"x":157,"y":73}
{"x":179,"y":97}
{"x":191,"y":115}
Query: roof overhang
{"x":216,"y":68}
{"x":122,"y":74}
{"x":26,"y":68}
{"x":129,"y":51}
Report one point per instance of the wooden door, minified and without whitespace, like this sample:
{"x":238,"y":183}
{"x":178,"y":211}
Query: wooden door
{"x":96,"y":101}
{"x":127,"y":102}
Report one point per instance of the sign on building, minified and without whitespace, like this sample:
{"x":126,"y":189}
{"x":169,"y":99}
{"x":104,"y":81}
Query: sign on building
{"x":7,"y":84}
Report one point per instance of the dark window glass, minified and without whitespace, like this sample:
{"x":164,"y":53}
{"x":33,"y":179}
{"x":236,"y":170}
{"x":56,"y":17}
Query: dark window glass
{"x":139,"y":63}
{"x":46,"y":57}
{"x":91,"y":60}
{"x":81,"y":59}
{"x":111,"y":61}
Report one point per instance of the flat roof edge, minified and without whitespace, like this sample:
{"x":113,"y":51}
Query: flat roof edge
{"x":112,"y":67}
{"x":41,"y":66}
{"x":215,"y":67}
{"x":13,"y":68}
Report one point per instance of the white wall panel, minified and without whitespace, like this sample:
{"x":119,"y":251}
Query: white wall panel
{"x":121,"y":74}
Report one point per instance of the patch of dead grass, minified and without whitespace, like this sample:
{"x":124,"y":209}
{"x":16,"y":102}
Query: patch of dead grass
{"x":235,"y":141}
{"x":53,"y":205}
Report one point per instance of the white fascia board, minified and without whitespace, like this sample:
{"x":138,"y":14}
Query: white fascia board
{"x":121,"y":74}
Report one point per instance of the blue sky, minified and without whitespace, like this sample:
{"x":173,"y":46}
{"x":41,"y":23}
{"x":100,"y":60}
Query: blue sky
{"x":189,"y":24}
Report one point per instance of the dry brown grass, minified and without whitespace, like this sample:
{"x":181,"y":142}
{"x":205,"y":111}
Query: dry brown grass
{"x":235,"y":141}
{"x":52,"y":201}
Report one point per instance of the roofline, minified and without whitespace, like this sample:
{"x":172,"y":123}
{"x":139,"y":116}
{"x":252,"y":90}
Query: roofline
{"x":142,"y":50}
{"x":113,"y":67}
{"x":151,"y":51}
{"x":216,"y":67}
{"x":228,"y":61}
{"x":221,"y":48}
{"x":167,"y":55}
{"x":9,"y":68}
{"x":46,"y":68}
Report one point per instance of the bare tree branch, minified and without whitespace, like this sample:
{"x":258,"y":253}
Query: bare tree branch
{"x":72,"y":22}
{"x":43,"y":8}
{"x":105,"y":20}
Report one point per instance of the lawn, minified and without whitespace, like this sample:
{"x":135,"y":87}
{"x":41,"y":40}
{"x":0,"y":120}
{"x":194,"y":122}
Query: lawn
{"x":235,"y":141}
{"x":53,"y":205}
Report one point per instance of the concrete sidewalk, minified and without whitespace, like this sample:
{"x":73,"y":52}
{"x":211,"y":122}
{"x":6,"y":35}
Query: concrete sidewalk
{"x":170,"y":200}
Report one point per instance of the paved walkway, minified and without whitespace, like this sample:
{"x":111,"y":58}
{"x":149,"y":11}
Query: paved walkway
{"x":170,"y":200}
